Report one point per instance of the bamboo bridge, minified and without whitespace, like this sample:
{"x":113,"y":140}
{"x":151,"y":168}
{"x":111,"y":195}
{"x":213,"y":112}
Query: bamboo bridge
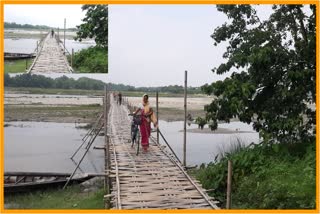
{"x":152,"y":180}
{"x":50,"y":57}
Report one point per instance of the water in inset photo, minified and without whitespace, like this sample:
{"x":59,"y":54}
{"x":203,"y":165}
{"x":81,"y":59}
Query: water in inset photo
{"x":56,"y":39}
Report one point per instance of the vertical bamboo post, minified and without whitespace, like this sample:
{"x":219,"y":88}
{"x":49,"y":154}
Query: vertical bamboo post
{"x":37,"y":46}
{"x":157,"y":114}
{"x":185,"y":121}
{"x":72,"y":54}
{"x":107,"y":162}
{"x":229,"y":180}
{"x":64,"y":37}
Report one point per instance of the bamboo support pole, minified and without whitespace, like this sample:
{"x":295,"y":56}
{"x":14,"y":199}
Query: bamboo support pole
{"x":229,"y":180}
{"x":157,"y":114}
{"x":64,"y":38}
{"x":79,"y":163}
{"x":169,"y":146}
{"x":72,"y":55}
{"x":107,"y":145}
{"x":185,"y":121}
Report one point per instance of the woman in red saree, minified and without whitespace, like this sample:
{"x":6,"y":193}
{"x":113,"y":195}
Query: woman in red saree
{"x":147,"y":116}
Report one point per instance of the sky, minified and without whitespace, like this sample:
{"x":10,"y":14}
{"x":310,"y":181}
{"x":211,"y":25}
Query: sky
{"x":50,"y":15}
{"x":152,"y":45}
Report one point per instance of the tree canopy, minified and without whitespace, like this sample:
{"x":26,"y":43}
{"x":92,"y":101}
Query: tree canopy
{"x":95,"y":24}
{"x":273,"y":71}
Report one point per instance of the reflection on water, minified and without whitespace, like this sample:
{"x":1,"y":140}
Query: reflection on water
{"x":201,"y":147}
{"x":47,"y":147}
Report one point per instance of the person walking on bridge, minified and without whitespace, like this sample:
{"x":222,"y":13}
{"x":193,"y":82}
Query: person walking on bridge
{"x":147,"y":116}
{"x":119,"y":98}
{"x":52,"y":33}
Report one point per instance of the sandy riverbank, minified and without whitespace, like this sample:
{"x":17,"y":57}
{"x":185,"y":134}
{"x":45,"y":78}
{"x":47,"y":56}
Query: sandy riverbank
{"x":85,"y":109}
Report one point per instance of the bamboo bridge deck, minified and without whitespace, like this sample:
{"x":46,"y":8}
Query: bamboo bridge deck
{"x":152,"y":180}
{"x":50,"y":58}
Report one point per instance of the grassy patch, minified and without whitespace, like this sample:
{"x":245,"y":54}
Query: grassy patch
{"x":265,"y":176}
{"x":17,"y":66}
{"x":70,"y":198}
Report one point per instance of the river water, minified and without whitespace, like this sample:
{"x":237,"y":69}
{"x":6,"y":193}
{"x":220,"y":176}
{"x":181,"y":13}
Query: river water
{"x":28,"y":45}
{"x":203,"y":147}
{"x":47,"y":147}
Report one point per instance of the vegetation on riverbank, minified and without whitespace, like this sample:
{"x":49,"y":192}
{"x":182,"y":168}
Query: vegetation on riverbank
{"x":272,"y":84}
{"x":91,"y":60}
{"x":13,"y":25}
{"x":265,"y":176}
{"x":71,"y":198}
{"x":17,"y":66}
{"x":41,"y":82}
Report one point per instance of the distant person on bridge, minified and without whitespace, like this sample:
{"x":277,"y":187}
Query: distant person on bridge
{"x":147,"y":116}
{"x":52,"y":33}
{"x":119,"y":98}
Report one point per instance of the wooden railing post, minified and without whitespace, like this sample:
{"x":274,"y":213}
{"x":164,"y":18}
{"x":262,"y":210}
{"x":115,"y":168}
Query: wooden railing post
{"x":229,"y":180}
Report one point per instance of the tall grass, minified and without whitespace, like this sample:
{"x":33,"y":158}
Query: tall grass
{"x":264,"y":176}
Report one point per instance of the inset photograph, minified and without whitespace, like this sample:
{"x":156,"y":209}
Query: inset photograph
{"x":42,"y":39}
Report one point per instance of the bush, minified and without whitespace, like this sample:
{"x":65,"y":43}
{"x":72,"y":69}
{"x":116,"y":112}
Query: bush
{"x":91,"y":60}
{"x":265,"y":176}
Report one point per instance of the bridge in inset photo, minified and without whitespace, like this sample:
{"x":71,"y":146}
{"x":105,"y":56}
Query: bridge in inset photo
{"x":50,"y":57}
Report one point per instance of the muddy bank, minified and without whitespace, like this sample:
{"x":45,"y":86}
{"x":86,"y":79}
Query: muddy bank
{"x":85,"y":108}
{"x":46,"y":113}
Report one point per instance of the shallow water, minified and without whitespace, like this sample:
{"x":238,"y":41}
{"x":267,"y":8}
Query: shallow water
{"x":29,"y":45}
{"x":20,"y":45}
{"x":47,"y":147}
{"x":202,"y":147}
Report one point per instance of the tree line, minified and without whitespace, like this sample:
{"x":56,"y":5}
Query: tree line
{"x":64,"y":82}
{"x":40,"y":81}
{"x":29,"y":26}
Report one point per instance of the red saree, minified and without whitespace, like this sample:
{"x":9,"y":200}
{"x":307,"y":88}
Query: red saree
{"x":145,"y":131}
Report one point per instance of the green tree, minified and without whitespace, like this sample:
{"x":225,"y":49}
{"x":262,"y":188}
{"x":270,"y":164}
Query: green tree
{"x":273,"y":65}
{"x":91,"y":60}
{"x":95,"y":24}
